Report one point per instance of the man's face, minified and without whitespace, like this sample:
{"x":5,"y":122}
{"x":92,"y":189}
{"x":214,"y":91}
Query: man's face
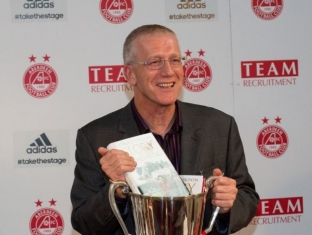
{"x":160,"y":87}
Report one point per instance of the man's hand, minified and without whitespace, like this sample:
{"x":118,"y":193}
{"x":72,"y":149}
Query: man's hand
{"x":224,"y":192}
{"x":115,"y":163}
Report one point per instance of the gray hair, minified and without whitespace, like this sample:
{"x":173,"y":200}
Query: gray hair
{"x":128,"y":47}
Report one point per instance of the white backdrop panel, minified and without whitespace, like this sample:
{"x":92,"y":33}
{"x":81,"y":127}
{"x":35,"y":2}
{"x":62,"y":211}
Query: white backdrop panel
{"x":86,"y":39}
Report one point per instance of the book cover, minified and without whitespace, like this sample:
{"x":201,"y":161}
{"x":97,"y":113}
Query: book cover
{"x":194,"y":183}
{"x":154,"y":174}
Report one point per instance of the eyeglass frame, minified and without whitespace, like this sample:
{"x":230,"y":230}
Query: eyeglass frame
{"x":145,"y":63}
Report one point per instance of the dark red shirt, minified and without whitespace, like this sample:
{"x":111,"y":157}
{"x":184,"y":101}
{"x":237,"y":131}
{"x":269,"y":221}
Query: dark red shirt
{"x":171,"y":143}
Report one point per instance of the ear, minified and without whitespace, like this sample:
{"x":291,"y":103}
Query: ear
{"x":130,"y":75}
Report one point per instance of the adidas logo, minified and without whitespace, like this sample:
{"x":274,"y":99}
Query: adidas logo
{"x":191,"y":4}
{"x":35,"y":4}
{"x":41,"y":145}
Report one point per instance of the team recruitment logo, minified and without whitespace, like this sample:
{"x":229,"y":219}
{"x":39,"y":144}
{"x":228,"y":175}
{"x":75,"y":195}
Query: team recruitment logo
{"x":272,"y":140}
{"x":198,"y":74}
{"x":40,"y":80}
{"x":278,"y":210}
{"x":46,"y":221}
{"x":267,"y":9}
{"x":116,"y":11}
{"x":269,"y":73}
{"x":108,"y":78}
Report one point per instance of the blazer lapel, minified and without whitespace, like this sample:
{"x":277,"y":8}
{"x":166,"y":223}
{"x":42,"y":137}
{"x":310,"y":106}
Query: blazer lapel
{"x":190,"y":143}
{"x":127,"y":125}
{"x":190,"y":137}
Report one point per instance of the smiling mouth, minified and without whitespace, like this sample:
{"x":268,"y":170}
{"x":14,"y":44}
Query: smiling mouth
{"x":166,"y":85}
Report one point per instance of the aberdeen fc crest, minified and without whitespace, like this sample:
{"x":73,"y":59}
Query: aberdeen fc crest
{"x":198,"y":74}
{"x":40,"y":80}
{"x":116,"y":11}
{"x":272,"y":140}
{"x":267,"y":9}
{"x":46,"y":221}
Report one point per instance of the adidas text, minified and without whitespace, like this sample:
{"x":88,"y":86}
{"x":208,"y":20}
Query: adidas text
{"x":191,"y":5}
{"x":39,"y":5}
{"x":41,"y":150}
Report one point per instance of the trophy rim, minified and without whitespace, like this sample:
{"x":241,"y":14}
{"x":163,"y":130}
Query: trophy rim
{"x":158,"y":198}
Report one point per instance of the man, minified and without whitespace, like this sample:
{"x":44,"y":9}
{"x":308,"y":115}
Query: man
{"x":197,"y":139}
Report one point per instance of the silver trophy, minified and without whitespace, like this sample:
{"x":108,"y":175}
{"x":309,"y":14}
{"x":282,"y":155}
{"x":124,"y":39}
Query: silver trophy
{"x":166,"y":215}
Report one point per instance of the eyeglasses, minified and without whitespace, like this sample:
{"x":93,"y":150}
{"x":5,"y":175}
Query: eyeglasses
{"x":158,"y":63}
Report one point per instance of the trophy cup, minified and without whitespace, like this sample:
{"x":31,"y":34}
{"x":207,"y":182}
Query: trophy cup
{"x":166,"y":215}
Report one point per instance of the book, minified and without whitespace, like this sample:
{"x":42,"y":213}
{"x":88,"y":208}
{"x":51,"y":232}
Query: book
{"x":194,"y":183}
{"x":154,"y":174}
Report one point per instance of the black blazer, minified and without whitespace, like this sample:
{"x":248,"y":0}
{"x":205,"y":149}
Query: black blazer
{"x":209,"y":139}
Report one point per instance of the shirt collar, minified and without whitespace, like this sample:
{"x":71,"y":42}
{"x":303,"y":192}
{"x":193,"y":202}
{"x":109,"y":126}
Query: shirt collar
{"x":142,"y":126}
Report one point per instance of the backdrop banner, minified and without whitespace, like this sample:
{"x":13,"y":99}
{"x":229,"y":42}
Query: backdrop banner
{"x":61,"y":67}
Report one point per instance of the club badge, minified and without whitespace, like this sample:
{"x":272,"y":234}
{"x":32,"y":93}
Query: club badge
{"x":116,"y":12}
{"x":272,"y":140}
{"x":267,"y":9}
{"x":46,"y":221}
{"x":40,"y":80}
{"x":198,"y":74}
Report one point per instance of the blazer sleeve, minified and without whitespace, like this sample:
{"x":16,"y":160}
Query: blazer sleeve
{"x":91,"y":212}
{"x":247,"y":199}
{"x":228,"y":155}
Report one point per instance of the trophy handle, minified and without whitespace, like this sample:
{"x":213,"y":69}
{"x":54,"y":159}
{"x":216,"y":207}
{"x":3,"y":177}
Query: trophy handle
{"x":215,"y":212}
{"x":112,"y":202}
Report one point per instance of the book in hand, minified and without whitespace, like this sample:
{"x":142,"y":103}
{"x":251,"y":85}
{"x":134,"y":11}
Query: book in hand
{"x":154,"y":174}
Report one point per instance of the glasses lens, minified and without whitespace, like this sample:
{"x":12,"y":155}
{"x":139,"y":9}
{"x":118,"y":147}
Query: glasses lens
{"x":157,"y":63}
{"x":175,"y":62}
{"x":154,"y":63}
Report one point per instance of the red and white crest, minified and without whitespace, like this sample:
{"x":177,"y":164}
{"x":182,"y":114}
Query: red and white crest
{"x":46,"y":221}
{"x":272,"y":140}
{"x":116,"y":11}
{"x":198,"y":74}
{"x":267,"y":9}
{"x":40,"y":80}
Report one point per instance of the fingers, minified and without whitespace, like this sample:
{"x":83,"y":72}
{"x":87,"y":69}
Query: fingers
{"x":224,"y":195}
{"x":115,"y":163}
{"x":217,"y":172}
{"x":224,"y":192}
{"x":102,"y":151}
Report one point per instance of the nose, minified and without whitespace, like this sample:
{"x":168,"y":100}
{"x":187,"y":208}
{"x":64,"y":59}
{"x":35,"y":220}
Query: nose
{"x":166,"y":70}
